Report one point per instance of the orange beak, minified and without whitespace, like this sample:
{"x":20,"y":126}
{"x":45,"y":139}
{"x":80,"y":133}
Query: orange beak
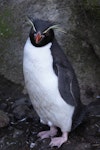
{"x":38,"y":37}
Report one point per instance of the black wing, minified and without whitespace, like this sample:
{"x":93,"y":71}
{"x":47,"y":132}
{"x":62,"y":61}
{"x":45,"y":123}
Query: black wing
{"x":68,"y":85}
{"x":67,"y":81}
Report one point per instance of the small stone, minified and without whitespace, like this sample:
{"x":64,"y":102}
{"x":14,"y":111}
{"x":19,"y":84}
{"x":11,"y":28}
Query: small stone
{"x":4,"y":119}
{"x":3,"y":106}
{"x":20,"y":111}
{"x":98,"y":96}
{"x":32,"y":145}
{"x":17,"y":133}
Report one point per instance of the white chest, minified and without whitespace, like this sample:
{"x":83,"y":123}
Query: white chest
{"x":37,"y":67}
{"x":42,"y":85}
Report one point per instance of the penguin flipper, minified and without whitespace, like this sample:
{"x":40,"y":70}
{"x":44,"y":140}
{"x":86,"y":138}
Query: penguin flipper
{"x":68,"y":85}
{"x":67,"y":81}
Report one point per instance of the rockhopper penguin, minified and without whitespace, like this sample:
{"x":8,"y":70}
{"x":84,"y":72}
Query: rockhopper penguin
{"x":51,"y":83}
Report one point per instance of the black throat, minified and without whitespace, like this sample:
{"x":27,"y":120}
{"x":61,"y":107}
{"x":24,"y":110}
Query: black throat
{"x":44,"y":41}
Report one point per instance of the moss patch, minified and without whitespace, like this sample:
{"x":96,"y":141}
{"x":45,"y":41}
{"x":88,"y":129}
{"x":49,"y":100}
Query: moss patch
{"x":6,"y":25}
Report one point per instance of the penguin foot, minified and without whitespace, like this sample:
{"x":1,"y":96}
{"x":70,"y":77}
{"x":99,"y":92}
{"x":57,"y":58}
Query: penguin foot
{"x":46,"y":134}
{"x":58,"y":141}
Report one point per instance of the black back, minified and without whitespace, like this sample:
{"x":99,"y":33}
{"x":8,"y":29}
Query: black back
{"x":67,"y":83}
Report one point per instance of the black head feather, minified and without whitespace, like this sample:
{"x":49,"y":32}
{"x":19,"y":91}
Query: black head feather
{"x":40,"y":27}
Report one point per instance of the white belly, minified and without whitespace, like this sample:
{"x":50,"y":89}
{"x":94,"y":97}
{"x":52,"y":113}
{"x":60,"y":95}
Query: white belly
{"x":42,"y":85}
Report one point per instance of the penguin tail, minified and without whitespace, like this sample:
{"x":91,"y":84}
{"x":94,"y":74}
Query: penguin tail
{"x":79,"y":116}
{"x":86,"y":111}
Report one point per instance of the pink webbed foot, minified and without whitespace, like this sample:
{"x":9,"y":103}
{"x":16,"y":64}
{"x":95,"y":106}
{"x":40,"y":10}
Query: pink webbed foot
{"x":46,"y":134}
{"x":58,"y":141}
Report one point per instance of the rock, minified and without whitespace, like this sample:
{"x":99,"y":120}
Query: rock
{"x":17,"y":133}
{"x":32,"y":145}
{"x":3,"y":106}
{"x":20,"y":112}
{"x":81,"y":43}
{"x":91,"y":9}
{"x":14,"y":30}
{"x":22,"y":101}
{"x":4,"y":119}
{"x":22,"y":109}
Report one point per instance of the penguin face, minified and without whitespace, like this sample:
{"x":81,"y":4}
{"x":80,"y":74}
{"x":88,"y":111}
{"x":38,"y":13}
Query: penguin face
{"x":41,"y":34}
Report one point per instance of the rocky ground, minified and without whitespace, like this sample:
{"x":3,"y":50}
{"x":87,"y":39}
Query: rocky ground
{"x":19,"y":124}
{"x":18,"y":131}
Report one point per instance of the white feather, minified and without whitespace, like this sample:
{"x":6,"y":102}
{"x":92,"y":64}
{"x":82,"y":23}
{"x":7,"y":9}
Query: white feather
{"x":42,"y":85}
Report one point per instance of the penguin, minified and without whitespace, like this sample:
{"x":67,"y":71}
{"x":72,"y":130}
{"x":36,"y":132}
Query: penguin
{"x":51,"y":83}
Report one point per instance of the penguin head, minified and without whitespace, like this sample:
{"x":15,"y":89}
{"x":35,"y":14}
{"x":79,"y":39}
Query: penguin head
{"x":41,"y":32}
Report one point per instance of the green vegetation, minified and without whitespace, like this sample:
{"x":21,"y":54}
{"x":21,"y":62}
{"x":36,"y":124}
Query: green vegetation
{"x":6,"y":25}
